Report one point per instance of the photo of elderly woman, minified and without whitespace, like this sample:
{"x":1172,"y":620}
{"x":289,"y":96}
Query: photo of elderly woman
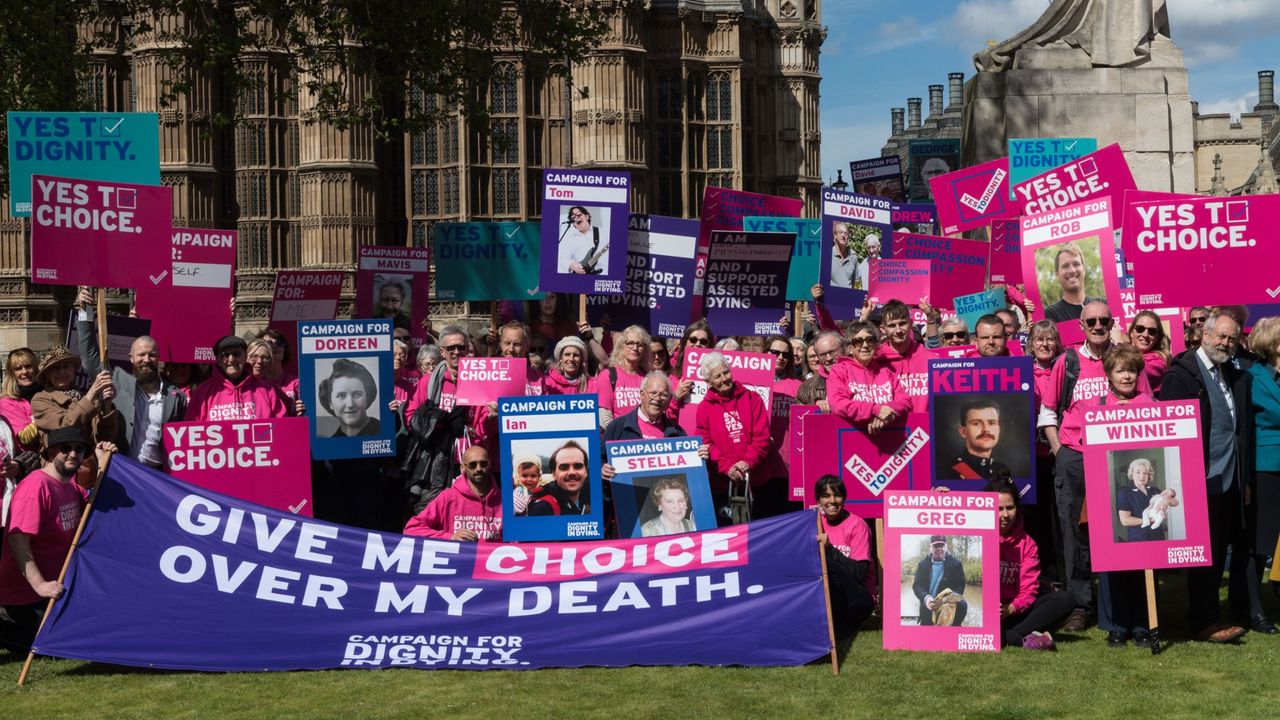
{"x":670,"y":496}
{"x":393,"y":298}
{"x":345,"y":395}
{"x":1147,"y":496}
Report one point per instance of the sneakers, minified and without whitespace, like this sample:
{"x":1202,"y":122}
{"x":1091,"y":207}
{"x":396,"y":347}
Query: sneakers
{"x":1143,"y":639}
{"x":1039,"y":641}
{"x":1078,"y":621}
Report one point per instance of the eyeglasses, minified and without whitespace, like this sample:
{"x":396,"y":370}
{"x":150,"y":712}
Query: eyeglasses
{"x":453,"y":348}
{"x":1095,"y":322}
{"x":1044,"y":341}
{"x":825,"y":355}
{"x":1153,"y":331}
{"x":634,"y":344}
{"x":661,"y":395}
{"x":476,"y":464}
{"x":954,"y":335}
{"x":67,"y":449}
{"x":699,"y":340}
{"x":570,"y":466}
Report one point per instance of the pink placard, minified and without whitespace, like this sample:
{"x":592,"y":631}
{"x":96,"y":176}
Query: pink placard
{"x":1006,"y":252}
{"x":1076,"y":246}
{"x":189,"y":302}
{"x":893,"y":279}
{"x":303,"y":295}
{"x":960,"y":530}
{"x":957,"y":266}
{"x":796,"y":490}
{"x":394,"y":282}
{"x":973,"y":197}
{"x":1132,"y":221}
{"x":1145,"y":486}
{"x":1206,"y":251}
{"x":754,"y":370}
{"x":482,"y":380}
{"x":93,"y":232}
{"x":896,"y":458}
{"x":955,"y":351}
{"x":263,"y":461}
{"x":1101,"y":174}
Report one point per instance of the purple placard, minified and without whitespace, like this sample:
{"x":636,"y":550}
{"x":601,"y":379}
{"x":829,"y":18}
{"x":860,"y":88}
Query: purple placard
{"x":584,"y":226}
{"x":1145,"y":486}
{"x":747,"y":282}
{"x":855,"y":229}
{"x":660,"y":267}
{"x":919,"y":218}
{"x":1006,"y":252}
{"x":973,"y":197}
{"x":879,"y":176}
{"x":983,"y":416}
{"x":957,"y":266}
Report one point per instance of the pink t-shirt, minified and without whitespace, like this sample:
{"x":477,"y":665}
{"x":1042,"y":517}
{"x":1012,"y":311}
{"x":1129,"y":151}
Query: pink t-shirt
{"x":625,"y":395}
{"x":852,"y":538}
{"x":48,"y":510}
{"x":648,"y":430}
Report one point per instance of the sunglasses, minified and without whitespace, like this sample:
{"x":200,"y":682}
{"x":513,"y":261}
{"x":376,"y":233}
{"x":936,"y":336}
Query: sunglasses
{"x":454,"y":348}
{"x":867,"y":340}
{"x":1095,"y":322}
{"x":700,"y":341}
{"x":779,"y":353}
{"x":474,"y":464}
{"x":1196,"y":320}
{"x":1145,"y":330}
{"x":954,"y":335}
{"x":67,"y":449}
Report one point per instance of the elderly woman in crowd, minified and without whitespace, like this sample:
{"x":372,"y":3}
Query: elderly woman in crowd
{"x":20,"y":387}
{"x":274,"y":374}
{"x":863,"y":390}
{"x":60,"y":405}
{"x":734,"y":423}
{"x":619,"y":384}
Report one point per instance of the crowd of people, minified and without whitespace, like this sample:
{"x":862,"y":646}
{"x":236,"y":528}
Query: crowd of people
{"x":872,"y":371}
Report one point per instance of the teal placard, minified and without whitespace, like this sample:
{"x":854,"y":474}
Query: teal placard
{"x":487,"y":261}
{"x":972,"y":307}
{"x":120,"y":147}
{"x":1029,"y":157}
{"x":806,"y":254}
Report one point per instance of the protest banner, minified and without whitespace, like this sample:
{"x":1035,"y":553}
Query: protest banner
{"x":189,"y":300}
{"x":927,"y":159}
{"x":1170,"y":318}
{"x":755,"y":371}
{"x":956,"y":614}
{"x":1145,"y":486}
{"x":796,"y":477}
{"x":1005,"y":261}
{"x":893,"y":279}
{"x":482,"y":380}
{"x":975,"y":305}
{"x":724,"y":209}
{"x":116,"y":147}
{"x":584,"y":230}
{"x":983,"y":414}
{"x":896,"y":458}
{"x":394,"y":282}
{"x":660,"y":268}
{"x":1068,"y":261}
{"x":954,"y":351}
{"x":973,"y":197}
{"x":880,"y":177}
{"x":94,"y":232}
{"x":345,"y":378}
{"x":1100,"y":175}
{"x":1029,"y":157}
{"x":267,"y":462}
{"x":919,"y":218}
{"x":855,"y":229}
{"x":562,"y":432}
{"x":487,"y":260}
{"x":121,"y":332}
{"x":1131,"y":223}
{"x":157,"y":552}
{"x":661,"y":487}
{"x":956,"y":266}
{"x":806,"y":255}
{"x":746,"y":276}
{"x":303,"y":295}
{"x":1228,"y":242}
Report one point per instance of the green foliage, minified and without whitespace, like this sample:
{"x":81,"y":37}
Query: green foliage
{"x":1046,"y":271}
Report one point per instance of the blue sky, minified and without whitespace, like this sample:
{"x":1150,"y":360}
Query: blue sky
{"x":880,"y":52}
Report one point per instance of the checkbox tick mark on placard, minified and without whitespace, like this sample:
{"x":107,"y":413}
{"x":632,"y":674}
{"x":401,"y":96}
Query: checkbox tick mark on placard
{"x":111,"y":129}
{"x":1273,"y":293}
{"x":295,"y":509}
{"x":1072,"y":146}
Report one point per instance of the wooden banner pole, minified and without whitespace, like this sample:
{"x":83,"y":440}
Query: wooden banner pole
{"x":1153,"y":622}
{"x":826,"y":595}
{"x":102,"y":329}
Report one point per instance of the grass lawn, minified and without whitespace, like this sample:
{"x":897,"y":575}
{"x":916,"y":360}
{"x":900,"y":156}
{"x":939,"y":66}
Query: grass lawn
{"x":1084,"y":679}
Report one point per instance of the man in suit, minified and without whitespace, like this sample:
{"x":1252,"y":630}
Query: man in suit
{"x":1208,"y":376}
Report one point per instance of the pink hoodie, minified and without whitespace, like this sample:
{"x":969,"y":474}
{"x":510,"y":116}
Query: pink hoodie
{"x":217,"y":398}
{"x":856,"y":392}
{"x":557,"y":384}
{"x":784,"y":395}
{"x":735,"y":428}
{"x":459,"y":508}
{"x":912,"y":369}
{"x":1019,"y":569}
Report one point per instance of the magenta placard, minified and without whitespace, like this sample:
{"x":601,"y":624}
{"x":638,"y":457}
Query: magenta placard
{"x":263,"y":461}
{"x":1132,"y":221}
{"x":1100,"y":174}
{"x":960,"y":529}
{"x":394,"y":282}
{"x":973,"y":197}
{"x":957,"y":266}
{"x":303,"y":295}
{"x":896,"y":458}
{"x":189,"y":301}
{"x":92,"y":232}
{"x":1206,"y":251}
{"x":1052,"y":243}
{"x":796,"y":488}
{"x":893,"y":279}
{"x":1006,"y":252}
{"x":1145,"y":486}
{"x":484,"y":380}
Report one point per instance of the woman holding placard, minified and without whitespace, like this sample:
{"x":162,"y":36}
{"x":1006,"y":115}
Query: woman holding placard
{"x":734,"y":423}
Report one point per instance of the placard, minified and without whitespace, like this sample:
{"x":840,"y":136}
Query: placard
{"x":796,"y":491}
{"x":487,"y":260}
{"x":118,"y":147}
{"x":482,"y":380}
{"x":855,"y":229}
{"x":960,"y":612}
{"x":345,"y":377}
{"x":746,"y":276}
{"x":973,"y":197}
{"x":121,"y":332}
{"x":562,"y":433}
{"x":879,"y":176}
{"x":660,"y":269}
{"x":973,"y":306}
{"x":661,"y":487}
{"x":267,"y":462}
{"x":1145,"y":486}
{"x":983,"y":414}
{"x":1006,"y":252}
{"x":394,"y":282}
{"x":896,"y":458}
{"x":189,"y":301}
{"x":919,"y":218}
{"x":806,"y":255}
{"x":905,"y":280}
{"x":584,"y":230}
{"x":1029,"y":157}
{"x":956,"y":266}
{"x":1100,"y":175}
{"x":928,"y":159}
{"x":754,"y":370}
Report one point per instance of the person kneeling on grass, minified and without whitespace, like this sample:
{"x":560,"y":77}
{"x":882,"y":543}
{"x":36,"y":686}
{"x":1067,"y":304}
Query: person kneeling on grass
{"x":1026,"y":616}
{"x":850,"y":572}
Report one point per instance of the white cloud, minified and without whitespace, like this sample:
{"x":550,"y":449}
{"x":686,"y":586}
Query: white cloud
{"x":1213,"y":31}
{"x":845,"y":142}
{"x":1232,"y":106}
{"x":1188,"y":13}
{"x":975,"y":22}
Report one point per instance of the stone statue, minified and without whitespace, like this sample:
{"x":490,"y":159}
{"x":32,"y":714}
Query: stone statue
{"x":1109,"y":33}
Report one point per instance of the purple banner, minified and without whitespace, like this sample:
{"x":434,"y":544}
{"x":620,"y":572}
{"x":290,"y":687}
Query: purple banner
{"x":659,"y":288}
{"x":746,"y":280}
{"x":272,"y":591}
{"x":584,"y":231}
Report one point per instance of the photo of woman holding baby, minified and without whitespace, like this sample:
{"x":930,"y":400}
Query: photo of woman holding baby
{"x":1143,"y":508}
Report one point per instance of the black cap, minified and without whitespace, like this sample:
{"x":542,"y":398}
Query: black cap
{"x":229,"y":342}
{"x":66,"y":435}
{"x":938,"y":539}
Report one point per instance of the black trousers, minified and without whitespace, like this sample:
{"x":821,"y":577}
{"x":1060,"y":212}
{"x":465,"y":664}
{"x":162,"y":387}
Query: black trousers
{"x":1045,"y":615}
{"x":1226,"y":527}
{"x":17,"y":636}
{"x":851,"y":602}
{"x":1068,"y":485}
